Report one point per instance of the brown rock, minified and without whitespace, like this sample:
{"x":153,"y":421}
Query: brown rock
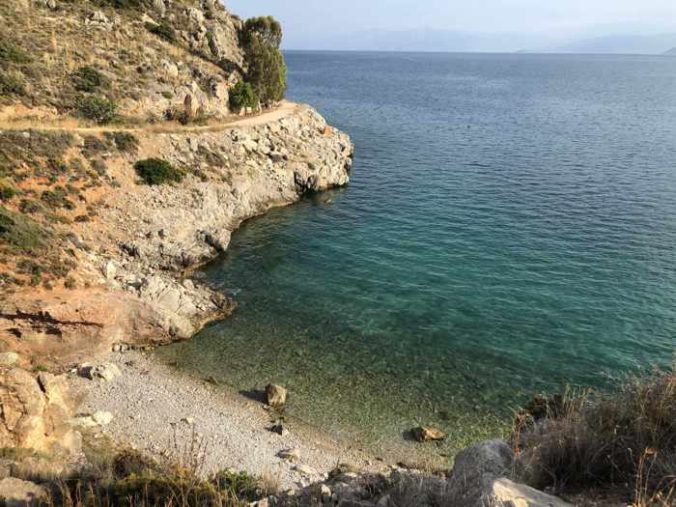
{"x":35,"y":412}
{"x":428,"y":434}
{"x":276,"y":395}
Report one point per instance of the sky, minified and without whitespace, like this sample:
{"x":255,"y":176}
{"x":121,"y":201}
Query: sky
{"x":504,"y":24}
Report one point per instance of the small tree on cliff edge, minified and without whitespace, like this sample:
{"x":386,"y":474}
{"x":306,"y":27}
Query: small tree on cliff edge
{"x":266,"y":70}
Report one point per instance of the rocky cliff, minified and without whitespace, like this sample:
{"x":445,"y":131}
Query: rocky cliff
{"x":91,"y":258}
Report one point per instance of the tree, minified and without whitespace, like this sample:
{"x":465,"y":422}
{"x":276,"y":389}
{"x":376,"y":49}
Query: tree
{"x":266,"y":69}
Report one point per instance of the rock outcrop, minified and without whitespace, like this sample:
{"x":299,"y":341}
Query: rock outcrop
{"x":35,"y":411}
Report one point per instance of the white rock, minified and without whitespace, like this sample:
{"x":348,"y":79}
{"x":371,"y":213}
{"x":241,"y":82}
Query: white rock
{"x":9,"y":358}
{"x":105,"y":371}
{"x":102,"y":418}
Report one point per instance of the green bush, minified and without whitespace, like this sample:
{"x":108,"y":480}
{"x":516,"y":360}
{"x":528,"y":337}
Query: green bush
{"x":266,"y":69}
{"x":163,"y":30}
{"x":11,"y":53}
{"x":155,"y":171}
{"x":88,"y":79}
{"x":20,"y":232}
{"x":12,"y":83}
{"x":7,"y":192}
{"x":242,"y":95}
{"x":98,"y":109}
{"x":124,"y":141}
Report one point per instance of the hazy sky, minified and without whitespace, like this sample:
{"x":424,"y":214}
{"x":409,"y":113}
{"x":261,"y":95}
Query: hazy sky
{"x":312,"y":22}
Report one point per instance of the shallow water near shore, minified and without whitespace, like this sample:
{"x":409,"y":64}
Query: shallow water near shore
{"x":510,"y":228}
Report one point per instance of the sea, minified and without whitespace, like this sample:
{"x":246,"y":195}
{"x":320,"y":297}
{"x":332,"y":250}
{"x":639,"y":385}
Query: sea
{"x":509,"y":229}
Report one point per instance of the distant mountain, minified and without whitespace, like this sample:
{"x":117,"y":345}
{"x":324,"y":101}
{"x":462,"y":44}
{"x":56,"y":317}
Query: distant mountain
{"x":620,"y":44}
{"x":418,"y":40}
{"x":671,"y":52}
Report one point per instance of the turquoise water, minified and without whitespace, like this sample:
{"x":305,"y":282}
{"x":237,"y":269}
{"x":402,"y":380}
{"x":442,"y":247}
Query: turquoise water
{"x":510,"y":228}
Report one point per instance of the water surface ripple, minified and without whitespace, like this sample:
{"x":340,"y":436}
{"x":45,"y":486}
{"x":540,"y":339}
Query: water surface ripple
{"x":510,"y":228}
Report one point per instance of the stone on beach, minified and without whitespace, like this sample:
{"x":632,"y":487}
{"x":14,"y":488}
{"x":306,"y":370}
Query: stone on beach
{"x":276,"y":395}
{"x":290,"y":454}
{"x":428,"y":434}
{"x":104,"y":371}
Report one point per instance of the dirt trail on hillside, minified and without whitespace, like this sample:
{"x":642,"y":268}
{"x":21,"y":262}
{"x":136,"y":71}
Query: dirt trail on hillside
{"x":284,"y":110}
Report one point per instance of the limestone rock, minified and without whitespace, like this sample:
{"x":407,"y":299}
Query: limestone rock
{"x":105,"y":371}
{"x":35,"y":412}
{"x":508,"y":493}
{"x":276,"y":395}
{"x":9,"y":358}
{"x":17,"y":493}
{"x":428,"y":434}
{"x":102,"y":418}
{"x":475,"y":470}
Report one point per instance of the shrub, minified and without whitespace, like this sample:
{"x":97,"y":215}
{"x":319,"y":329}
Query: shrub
{"x":240,"y":484}
{"x":122,"y":4}
{"x":88,"y":79}
{"x":21,"y":233}
{"x":98,"y":109}
{"x":594,"y":439}
{"x":162,"y":30}
{"x":124,"y":141}
{"x":7,"y":192}
{"x":10,"y":53}
{"x":12,"y":83}
{"x":266,"y":69}
{"x":241,"y":96}
{"x":155,"y":171}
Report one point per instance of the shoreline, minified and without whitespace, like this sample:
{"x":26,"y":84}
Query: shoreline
{"x":158,"y":409}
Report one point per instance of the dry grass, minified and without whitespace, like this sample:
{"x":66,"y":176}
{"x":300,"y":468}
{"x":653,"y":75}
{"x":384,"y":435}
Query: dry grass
{"x":625,"y":440}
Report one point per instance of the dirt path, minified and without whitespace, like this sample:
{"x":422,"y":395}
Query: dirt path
{"x":284,"y":110}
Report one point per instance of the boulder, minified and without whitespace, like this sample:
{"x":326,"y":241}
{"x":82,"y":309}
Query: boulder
{"x":475,"y":470}
{"x":276,"y":395}
{"x":102,"y":418}
{"x":508,"y":493}
{"x":17,"y":493}
{"x":35,"y":412}
{"x":105,"y":371}
{"x":428,"y":434}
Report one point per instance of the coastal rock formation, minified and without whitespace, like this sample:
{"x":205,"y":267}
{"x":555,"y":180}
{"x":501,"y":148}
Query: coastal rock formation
{"x":34,"y":412}
{"x":480,"y":477}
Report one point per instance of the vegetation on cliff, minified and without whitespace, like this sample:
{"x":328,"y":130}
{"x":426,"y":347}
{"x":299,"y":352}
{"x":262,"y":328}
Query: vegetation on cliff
{"x":261,"y":38}
{"x":623,"y":442}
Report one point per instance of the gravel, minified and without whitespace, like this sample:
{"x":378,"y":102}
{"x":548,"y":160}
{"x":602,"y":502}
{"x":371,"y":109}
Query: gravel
{"x":160,"y":410}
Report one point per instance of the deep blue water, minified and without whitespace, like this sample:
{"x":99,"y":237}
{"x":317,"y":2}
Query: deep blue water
{"x":510,"y":228}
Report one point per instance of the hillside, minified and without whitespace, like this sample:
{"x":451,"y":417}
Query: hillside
{"x":123,"y":166}
{"x":150,"y":58}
